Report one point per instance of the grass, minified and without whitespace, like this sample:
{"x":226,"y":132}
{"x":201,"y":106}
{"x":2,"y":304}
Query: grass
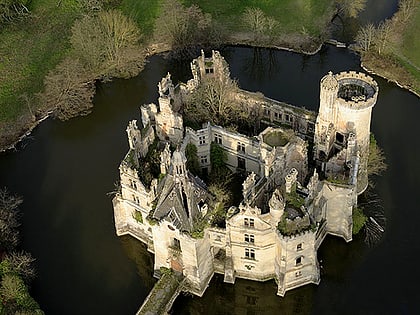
{"x":410,"y":49}
{"x":294,"y":16}
{"x":411,"y":42}
{"x":275,"y":139}
{"x":402,"y":62}
{"x":28,"y":50}
{"x":35,"y":45}
{"x":143,"y":12}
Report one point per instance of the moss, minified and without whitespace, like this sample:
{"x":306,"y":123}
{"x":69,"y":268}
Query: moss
{"x":359,"y":220}
{"x":294,"y":200}
{"x":137,"y":216}
{"x":275,"y":139}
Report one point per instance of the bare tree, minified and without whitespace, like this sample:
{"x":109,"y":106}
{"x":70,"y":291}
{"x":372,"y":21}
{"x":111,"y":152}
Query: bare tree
{"x":260,"y":24}
{"x":22,"y":264}
{"x":13,"y":9}
{"x":382,"y":38}
{"x":365,"y":37}
{"x":68,"y":89}
{"x":106,"y":41}
{"x":214,"y":100}
{"x":9,"y":220}
{"x":185,"y":27}
{"x":376,"y":160}
{"x":255,"y":19}
{"x":119,"y":32}
{"x":87,"y":40}
{"x":405,"y":9}
{"x":351,"y":8}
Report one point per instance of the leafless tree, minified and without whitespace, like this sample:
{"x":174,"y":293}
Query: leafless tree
{"x":183,"y":28}
{"x":405,"y":9}
{"x":13,"y":9}
{"x":366,"y":36}
{"x":9,"y":220}
{"x":68,"y":89}
{"x":213,"y":100}
{"x":382,"y":39}
{"x":376,"y":160}
{"x":263,"y":26}
{"x":105,"y":42}
{"x":22,"y":264}
{"x":351,"y":8}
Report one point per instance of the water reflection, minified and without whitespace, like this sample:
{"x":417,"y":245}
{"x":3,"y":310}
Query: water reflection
{"x":67,"y":169}
{"x":245,"y":298}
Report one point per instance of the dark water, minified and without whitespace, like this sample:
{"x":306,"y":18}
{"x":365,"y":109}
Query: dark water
{"x":65,"y":170}
{"x":345,"y":28}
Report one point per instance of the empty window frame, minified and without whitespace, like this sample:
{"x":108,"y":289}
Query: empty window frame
{"x":249,"y":222}
{"x":249,"y":238}
{"x":241,"y":147}
{"x":250,"y":253}
{"x":201,"y":139}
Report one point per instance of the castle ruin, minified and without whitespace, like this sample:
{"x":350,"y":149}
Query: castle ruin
{"x":293,"y":194}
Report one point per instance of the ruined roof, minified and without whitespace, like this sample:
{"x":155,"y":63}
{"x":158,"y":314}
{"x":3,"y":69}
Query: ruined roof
{"x":179,"y":201}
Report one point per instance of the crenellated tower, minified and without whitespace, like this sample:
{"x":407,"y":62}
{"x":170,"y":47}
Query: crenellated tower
{"x":343,"y":122}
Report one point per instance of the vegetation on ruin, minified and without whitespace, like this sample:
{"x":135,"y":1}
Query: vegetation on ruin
{"x":16,"y":267}
{"x":391,"y":49}
{"x":137,"y":216}
{"x":276,"y":138}
{"x":293,"y":199}
{"x":376,"y":161}
{"x":359,"y":219}
{"x":193,"y":165}
{"x":288,"y":229}
{"x":150,"y":165}
{"x":55,"y":51}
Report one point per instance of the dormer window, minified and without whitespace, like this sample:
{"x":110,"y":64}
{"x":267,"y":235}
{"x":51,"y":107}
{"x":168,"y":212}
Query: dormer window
{"x":249,"y":222}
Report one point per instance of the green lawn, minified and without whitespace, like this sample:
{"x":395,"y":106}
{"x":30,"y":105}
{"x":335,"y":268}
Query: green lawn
{"x":293,"y":15}
{"x":411,"y":46}
{"x":143,"y":12}
{"x":29,"y":49}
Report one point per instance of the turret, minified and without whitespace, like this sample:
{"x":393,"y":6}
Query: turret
{"x":345,"y":109}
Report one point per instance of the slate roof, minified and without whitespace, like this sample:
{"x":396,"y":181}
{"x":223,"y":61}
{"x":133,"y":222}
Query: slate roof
{"x":178,"y":200}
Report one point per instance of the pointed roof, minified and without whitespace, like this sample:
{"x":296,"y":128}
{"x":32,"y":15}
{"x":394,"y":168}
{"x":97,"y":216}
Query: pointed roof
{"x":181,"y":195}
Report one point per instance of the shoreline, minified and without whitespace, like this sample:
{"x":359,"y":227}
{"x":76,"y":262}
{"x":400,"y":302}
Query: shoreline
{"x":400,"y":85}
{"x":152,"y":50}
{"x":159,"y":48}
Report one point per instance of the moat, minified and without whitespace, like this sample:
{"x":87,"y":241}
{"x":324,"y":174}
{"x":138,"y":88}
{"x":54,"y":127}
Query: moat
{"x":66,"y":169}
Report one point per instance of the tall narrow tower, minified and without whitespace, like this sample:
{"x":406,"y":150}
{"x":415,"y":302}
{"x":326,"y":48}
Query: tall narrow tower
{"x":346,"y":102}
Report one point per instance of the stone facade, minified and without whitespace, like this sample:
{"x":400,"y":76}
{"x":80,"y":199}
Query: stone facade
{"x":288,"y":206}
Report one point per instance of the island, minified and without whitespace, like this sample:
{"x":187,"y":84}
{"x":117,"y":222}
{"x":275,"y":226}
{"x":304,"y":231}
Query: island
{"x":301,"y":178}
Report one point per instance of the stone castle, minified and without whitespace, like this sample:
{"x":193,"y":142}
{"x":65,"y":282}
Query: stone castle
{"x":303,"y":174}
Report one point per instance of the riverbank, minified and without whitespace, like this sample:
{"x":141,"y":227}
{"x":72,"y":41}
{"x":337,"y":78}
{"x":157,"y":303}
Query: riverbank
{"x":394,"y":51}
{"x":39,"y":43}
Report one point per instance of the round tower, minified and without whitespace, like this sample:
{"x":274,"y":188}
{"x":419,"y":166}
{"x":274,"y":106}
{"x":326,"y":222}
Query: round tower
{"x":343,"y":122}
{"x":357,"y":94}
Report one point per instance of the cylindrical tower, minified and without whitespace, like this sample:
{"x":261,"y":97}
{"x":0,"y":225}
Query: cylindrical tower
{"x":357,"y":94}
{"x":345,"y":109}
